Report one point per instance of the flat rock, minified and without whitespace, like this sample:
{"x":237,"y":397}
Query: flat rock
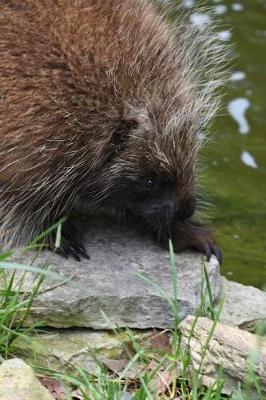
{"x":109,"y":289}
{"x":18,"y":382}
{"x":243,"y":306}
{"x":59,"y":349}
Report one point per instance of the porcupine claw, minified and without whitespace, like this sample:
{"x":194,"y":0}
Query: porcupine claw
{"x":208,"y":252}
{"x":71,"y":245}
{"x":218,"y":254}
{"x":73,"y":248}
{"x":212,"y":249}
{"x":197,"y":237}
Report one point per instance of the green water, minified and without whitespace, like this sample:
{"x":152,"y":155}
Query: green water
{"x":237,"y":190}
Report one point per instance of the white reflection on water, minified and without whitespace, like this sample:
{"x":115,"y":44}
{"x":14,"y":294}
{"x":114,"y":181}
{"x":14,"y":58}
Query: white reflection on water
{"x":188,"y":3}
{"x":237,"y":76}
{"x":237,"y":7}
{"x":220,"y":9}
{"x":248,"y":159}
{"x":237,"y":109}
{"x":224,"y":35}
{"x":200,"y":20}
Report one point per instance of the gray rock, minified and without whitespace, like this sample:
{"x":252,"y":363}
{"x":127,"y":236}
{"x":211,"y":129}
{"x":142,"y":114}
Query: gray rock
{"x":243,"y":305}
{"x":18,"y":382}
{"x":229,"y":355}
{"x":60,"y":349}
{"x":110,"y":283}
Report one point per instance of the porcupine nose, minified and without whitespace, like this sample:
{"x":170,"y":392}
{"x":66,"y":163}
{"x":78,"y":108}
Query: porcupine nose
{"x":163,"y":210}
{"x":186,"y":208}
{"x":168,"y":209}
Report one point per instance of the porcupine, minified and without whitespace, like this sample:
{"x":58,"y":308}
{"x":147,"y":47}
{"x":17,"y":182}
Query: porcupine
{"x":103,"y":102}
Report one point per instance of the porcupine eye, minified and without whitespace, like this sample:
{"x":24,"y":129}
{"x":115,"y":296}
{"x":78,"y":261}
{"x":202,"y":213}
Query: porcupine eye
{"x":150,"y":183}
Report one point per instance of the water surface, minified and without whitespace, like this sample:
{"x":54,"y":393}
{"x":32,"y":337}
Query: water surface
{"x":236,"y":156}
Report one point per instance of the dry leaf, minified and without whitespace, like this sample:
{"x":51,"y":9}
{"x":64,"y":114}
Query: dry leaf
{"x":133,"y":373}
{"x":115,"y":365}
{"x":54,"y":387}
{"x":160,"y":341}
{"x":77,"y":395}
{"x":163,"y":380}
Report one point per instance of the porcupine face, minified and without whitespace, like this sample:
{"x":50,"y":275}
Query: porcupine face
{"x":156,"y":198}
{"x":151,"y":172}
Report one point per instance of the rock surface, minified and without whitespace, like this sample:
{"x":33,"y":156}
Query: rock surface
{"x":111,"y":283}
{"x":60,"y":349}
{"x":243,"y":306}
{"x":18,"y":382}
{"x":229,"y":353}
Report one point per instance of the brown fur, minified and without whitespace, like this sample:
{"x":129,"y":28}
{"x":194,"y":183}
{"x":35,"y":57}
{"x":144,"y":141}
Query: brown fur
{"x":92,"y":90}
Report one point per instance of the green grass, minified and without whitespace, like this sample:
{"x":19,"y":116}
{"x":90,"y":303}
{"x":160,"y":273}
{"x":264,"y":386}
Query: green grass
{"x":15,"y":301}
{"x":146,"y":363}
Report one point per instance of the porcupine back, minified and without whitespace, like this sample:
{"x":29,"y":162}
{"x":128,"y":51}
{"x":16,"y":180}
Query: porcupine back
{"x":69,"y":70}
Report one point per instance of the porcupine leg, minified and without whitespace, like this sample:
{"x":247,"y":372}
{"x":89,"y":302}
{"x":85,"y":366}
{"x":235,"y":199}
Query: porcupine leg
{"x":184,"y":235}
{"x":187,"y":235}
{"x":193,"y":235}
{"x":71,"y":245}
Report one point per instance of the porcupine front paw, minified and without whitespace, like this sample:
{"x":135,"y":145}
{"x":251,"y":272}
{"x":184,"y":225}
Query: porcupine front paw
{"x":71,"y":245}
{"x":197,"y":237}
